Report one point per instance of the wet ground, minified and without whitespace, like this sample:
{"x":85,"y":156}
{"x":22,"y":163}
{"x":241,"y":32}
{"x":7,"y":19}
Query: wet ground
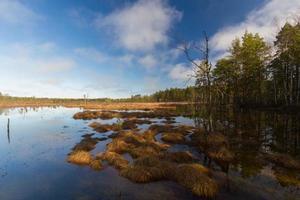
{"x":35,"y":146}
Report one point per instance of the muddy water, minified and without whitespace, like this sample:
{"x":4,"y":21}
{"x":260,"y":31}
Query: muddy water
{"x":33,"y":152}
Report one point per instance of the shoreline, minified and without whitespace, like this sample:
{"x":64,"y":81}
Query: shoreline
{"x":97,"y":105}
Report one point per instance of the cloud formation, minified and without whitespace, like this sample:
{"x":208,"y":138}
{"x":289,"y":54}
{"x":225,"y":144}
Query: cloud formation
{"x":181,"y":72}
{"x":16,"y":12}
{"x":142,"y":25}
{"x":265,"y":20}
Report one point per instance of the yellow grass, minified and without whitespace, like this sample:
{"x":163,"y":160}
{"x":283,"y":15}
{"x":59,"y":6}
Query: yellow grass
{"x":175,"y":138}
{"x":115,"y":160}
{"x":193,"y":177}
{"x":96,"y":165}
{"x":178,"y":157}
{"x":80,"y":157}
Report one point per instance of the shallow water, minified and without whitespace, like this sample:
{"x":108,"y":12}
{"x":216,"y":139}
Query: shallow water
{"x":33,"y":157}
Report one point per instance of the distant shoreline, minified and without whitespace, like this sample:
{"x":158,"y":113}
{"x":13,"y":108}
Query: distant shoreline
{"x":96,"y":105}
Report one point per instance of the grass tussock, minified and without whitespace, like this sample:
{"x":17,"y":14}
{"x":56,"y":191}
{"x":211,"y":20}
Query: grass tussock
{"x":143,"y":151}
{"x":161,"y":128}
{"x":118,"y":146}
{"x":214,"y":145}
{"x":86,"y":144}
{"x":88,"y":115}
{"x":80,"y":157}
{"x":142,"y":174}
{"x":221,"y":154}
{"x":177,"y":157}
{"x":174,"y":138}
{"x":149,"y":135}
{"x":283,"y":160}
{"x":287,"y":178}
{"x":96,"y":165}
{"x":195,"y":178}
{"x":128,"y":124}
{"x":152,"y":161}
{"x":183,"y":129}
{"x":115,"y":159}
{"x":102,"y":128}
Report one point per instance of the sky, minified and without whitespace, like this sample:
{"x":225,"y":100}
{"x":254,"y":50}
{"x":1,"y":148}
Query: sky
{"x":119,"y":48}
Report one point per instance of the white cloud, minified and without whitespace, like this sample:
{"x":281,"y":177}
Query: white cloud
{"x":148,"y":61}
{"x":266,"y":21}
{"x":181,"y":72}
{"x":16,"y":12}
{"x":142,"y":25}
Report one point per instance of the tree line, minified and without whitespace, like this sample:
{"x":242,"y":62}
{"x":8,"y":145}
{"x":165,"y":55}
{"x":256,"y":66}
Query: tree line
{"x":253,"y":72}
{"x":256,"y":73}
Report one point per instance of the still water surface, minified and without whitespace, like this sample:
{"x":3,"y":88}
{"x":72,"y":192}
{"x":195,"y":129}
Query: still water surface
{"x":33,"y":157}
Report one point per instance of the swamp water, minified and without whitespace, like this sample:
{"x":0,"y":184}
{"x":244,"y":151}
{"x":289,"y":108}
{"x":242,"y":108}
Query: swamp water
{"x":35,"y":146}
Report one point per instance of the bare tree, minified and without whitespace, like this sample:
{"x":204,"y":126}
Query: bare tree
{"x":198,"y":55}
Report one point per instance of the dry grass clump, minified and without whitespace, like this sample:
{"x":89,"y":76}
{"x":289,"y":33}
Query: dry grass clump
{"x":217,"y":139}
{"x":86,"y":144}
{"x":177,"y":157}
{"x":114,"y":159}
{"x":287,"y":179}
{"x":102,"y":128}
{"x":215,"y":146}
{"x":128,"y":124}
{"x":149,"y":135}
{"x":143,"y":151}
{"x":140,"y":121}
{"x":118,"y":146}
{"x":195,"y":178}
{"x":142,"y":174}
{"x":169,"y":121}
{"x":151,"y":114}
{"x":184,"y":129}
{"x":96,"y":165}
{"x":147,"y":169}
{"x":161,"y":128}
{"x":87,"y":115}
{"x":80,"y":157}
{"x":283,"y":160}
{"x":135,"y":144}
{"x":221,"y":154}
{"x":175,"y":138}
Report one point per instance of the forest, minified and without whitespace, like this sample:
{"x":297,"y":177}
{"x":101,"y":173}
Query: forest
{"x":254,"y":73}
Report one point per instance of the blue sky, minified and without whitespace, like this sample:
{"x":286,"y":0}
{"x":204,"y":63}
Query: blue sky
{"x":117,"y":48}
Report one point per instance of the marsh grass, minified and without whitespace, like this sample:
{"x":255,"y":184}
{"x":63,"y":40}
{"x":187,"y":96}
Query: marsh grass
{"x":80,"y":157}
{"x":175,"y":138}
{"x":195,"y":178}
{"x":96,"y":165}
{"x":87,"y":144}
{"x":102,"y":128}
{"x":114,"y":159}
{"x":152,"y":161}
{"x":287,"y":178}
{"x":178,"y":157}
{"x":143,"y":174}
{"x":283,"y":160}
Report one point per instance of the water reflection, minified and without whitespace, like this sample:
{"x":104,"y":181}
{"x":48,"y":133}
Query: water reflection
{"x":8,"y":130}
{"x":33,"y":162}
